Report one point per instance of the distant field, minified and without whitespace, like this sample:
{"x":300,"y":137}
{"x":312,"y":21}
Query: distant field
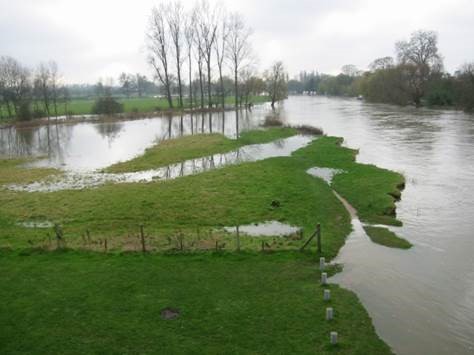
{"x":145,"y":104}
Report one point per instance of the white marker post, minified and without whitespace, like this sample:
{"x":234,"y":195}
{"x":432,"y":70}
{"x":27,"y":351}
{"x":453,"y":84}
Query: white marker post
{"x":324,"y":278}
{"x":327,"y":295}
{"x":333,"y":338}
{"x":322,"y":263}
{"x":329,"y":313}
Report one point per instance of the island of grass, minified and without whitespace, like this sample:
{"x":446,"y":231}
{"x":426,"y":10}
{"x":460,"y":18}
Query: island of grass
{"x":86,"y":298}
{"x":195,"y":146}
{"x":386,"y":237}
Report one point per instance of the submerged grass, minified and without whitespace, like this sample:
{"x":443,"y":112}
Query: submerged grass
{"x":15,"y":171}
{"x":384,"y":236}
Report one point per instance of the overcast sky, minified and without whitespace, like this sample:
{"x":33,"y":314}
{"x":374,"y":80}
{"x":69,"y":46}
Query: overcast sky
{"x":99,"y":38}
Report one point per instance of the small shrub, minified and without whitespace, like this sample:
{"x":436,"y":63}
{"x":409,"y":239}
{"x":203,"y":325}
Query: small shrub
{"x":107,"y":106}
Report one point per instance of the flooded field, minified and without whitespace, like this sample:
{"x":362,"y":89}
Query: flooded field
{"x":421,"y":300}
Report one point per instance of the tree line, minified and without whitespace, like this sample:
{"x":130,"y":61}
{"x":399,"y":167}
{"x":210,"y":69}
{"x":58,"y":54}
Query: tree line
{"x":416,"y":76}
{"x":26,"y":93}
{"x":203,"y":54}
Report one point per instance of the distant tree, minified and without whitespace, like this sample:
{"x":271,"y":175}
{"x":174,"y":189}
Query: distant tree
{"x":419,"y":59}
{"x":382,"y":63}
{"x":17,"y":88}
{"x":350,"y":70}
{"x":158,"y":48}
{"x":465,"y":86}
{"x":277,"y":82}
{"x":127,"y":83}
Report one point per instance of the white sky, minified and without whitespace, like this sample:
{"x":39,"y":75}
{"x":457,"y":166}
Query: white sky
{"x":99,"y":38}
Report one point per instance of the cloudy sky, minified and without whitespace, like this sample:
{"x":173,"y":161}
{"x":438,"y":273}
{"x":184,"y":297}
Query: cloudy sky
{"x":100,"y":38}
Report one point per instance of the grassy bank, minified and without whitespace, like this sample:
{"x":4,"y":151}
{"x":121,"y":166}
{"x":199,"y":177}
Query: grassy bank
{"x":386,"y":237}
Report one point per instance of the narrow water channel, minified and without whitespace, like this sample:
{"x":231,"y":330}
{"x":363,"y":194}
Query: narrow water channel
{"x":421,"y":300}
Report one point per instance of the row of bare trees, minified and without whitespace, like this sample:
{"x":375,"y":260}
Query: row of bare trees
{"x":201,"y":40}
{"x":27,"y":93}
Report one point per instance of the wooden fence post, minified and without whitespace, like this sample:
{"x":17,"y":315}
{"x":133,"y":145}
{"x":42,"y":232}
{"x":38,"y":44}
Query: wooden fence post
{"x":142,"y":238}
{"x":318,"y":234}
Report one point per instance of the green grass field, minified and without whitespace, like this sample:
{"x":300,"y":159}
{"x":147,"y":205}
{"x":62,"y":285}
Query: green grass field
{"x":131,"y":105}
{"x":83,"y":300}
{"x":76,"y":303}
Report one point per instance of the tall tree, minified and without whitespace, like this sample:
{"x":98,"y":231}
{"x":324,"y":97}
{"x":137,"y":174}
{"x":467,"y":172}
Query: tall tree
{"x":158,"y":47}
{"x":175,"y":19}
{"x":277,"y":82}
{"x":207,"y":22}
{"x":419,"y":58}
{"x":239,"y":49}
{"x":220,"y":49}
{"x":189,"y":35}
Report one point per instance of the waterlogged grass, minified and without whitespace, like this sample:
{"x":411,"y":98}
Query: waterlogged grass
{"x":191,"y":147}
{"x":385,"y":237}
{"x":71,"y":302}
{"x":14,"y":171}
{"x":234,"y":195}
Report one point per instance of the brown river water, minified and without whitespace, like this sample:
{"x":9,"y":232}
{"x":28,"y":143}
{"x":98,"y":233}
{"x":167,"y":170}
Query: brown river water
{"x":421,"y":300}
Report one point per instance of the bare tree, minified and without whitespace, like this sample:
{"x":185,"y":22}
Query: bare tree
{"x":238,"y":50}
{"x":220,"y":49}
{"x":350,"y":70}
{"x":277,"y":82}
{"x":175,"y":19}
{"x":382,"y":63}
{"x":207,"y":23}
{"x":55,"y":85}
{"x":158,"y":46}
{"x":189,"y":33}
{"x":199,"y":53}
{"x":16,"y":87}
{"x":126,"y":82}
{"x":419,"y":58}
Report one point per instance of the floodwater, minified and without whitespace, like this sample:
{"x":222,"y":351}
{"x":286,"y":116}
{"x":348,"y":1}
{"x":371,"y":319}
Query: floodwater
{"x":265,"y":229}
{"x":324,"y":173}
{"x":88,"y":146}
{"x":79,"y":180}
{"x":421,"y":300}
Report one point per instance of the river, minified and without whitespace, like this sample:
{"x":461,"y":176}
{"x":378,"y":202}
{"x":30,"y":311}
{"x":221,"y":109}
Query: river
{"x":421,"y":300}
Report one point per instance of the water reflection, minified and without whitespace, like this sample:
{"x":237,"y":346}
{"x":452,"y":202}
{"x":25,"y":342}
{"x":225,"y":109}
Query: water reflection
{"x":249,"y":153}
{"x":89,"y":146}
